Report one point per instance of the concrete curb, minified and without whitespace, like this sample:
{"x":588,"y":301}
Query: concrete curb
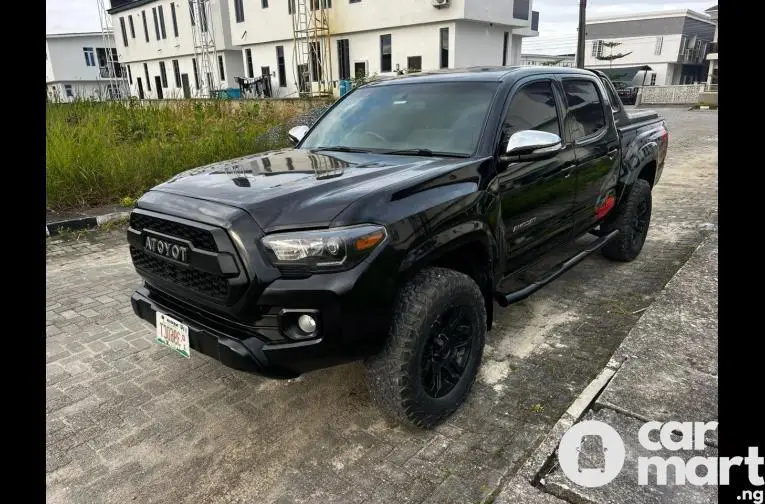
{"x":81,"y":223}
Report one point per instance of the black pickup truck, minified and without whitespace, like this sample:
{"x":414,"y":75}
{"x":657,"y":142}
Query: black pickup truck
{"x":393,"y":227}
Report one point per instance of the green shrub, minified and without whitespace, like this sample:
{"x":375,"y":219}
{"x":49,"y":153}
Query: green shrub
{"x":97,"y":152}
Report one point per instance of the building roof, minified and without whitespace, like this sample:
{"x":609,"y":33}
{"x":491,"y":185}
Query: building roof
{"x":73,"y":35}
{"x":121,"y":5}
{"x":651,"y":15}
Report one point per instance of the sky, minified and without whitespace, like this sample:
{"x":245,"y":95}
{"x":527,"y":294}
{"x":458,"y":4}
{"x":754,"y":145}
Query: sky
{"x":557,"y":18}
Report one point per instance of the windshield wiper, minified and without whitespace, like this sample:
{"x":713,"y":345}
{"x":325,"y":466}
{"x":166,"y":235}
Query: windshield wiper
{"x":424,"y":153}
{"x":339,"y":148}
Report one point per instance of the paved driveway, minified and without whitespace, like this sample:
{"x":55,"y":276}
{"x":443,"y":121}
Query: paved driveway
{"x":128,"y":420}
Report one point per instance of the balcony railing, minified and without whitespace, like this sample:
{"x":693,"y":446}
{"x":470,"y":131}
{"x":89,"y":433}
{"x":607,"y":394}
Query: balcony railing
{"x":692,"y":56}
{"x":521,"y":9}
{"x":712,"y":47}
{"x":106,"y":74}
{"x":534,"y":20}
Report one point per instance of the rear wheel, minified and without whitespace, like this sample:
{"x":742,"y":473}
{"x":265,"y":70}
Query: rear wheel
{"x":632,"y":219}
{"x":431,"y":358}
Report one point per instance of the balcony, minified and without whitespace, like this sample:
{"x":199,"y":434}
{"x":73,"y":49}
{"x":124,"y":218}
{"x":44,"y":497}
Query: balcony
{"x":535,"y":21}
{"x":692,"y":56}
{"x":104,"y":72}
{"x":521,"y":9}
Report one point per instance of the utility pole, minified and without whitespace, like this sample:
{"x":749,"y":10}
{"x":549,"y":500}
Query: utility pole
{"x":580,"y":39}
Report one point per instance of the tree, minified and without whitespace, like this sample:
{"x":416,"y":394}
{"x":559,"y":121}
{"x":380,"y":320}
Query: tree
{"x":611,"y":56}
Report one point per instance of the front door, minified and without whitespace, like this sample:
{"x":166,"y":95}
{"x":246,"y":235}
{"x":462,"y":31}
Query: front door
{"x":596,"y":147}
{"x":185,"y":85}
{"x":140,"y":88}
{"x":158,"y":83}
{"x":537,"y":196}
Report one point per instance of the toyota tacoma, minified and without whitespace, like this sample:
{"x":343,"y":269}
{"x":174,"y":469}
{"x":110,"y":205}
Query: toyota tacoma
{"x":394,"y":225}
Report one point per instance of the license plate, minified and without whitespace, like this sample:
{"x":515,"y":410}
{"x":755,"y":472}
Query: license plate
{"x":173,"y":334}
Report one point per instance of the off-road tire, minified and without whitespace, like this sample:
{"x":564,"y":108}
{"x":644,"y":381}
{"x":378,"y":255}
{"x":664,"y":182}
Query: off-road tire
{"x":627,"y":245}
{"x":394,"y":375}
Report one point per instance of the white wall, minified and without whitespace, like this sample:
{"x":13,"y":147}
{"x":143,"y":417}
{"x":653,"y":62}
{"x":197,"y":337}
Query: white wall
{"x":170,"y":47}
{"x":643,"y":51}
{"x":57,"y":91}
{"x":66,"y":59}
{"x":479,"y":44}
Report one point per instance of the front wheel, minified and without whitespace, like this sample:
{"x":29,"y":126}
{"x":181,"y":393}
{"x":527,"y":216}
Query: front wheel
{"x":433,"y":351}
{"x":632,"y":218}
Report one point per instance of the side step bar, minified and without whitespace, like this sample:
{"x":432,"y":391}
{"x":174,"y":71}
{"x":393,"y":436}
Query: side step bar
{"x":555,"y":272}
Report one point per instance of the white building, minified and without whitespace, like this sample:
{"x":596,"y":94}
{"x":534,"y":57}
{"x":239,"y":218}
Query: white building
{"x":155,"y":43}
{"x":561,"y":60}
{"x":371,"y":37}
{"x":76,"y":67}
{"x":256,"y":38}
{"x":673,"y":43}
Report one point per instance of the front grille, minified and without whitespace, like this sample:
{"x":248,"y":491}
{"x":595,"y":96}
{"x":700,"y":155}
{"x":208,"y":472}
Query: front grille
{"x":200,"y":238}
{"x":214,"y":286}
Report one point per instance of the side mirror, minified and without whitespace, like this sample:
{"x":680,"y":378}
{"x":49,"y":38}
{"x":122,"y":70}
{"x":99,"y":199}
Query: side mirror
{"x":531,"y":145}
{"x":297,"y":133}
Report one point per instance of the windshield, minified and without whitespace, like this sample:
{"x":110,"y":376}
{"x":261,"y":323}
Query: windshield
{"x":442,"y":117}
{"x":620,"y":85}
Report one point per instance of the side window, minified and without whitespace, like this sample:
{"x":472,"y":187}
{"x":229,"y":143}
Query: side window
{"x":532,"y":108}
{"x":616,"y":102}
{"x":585,"y":115}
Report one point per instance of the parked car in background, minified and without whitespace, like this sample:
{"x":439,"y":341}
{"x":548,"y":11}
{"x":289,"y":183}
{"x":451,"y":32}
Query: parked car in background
{"x":626,"y":91}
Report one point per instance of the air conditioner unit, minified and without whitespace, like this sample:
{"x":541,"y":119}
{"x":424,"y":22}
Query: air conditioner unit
{"x":440,"y":4}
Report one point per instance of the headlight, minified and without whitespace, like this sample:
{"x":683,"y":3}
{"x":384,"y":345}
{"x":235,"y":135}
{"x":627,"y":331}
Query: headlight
{"x":329,"y":249}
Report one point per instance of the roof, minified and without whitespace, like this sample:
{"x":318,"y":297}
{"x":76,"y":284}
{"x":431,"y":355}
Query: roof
{"x":475,"y":74}
{"x":650,"y":15}
{"x":72,"y":35}
{"x":123,"y":5}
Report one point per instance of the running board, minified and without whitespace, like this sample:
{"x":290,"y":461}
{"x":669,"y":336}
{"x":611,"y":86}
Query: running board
{"x":555,"y":272}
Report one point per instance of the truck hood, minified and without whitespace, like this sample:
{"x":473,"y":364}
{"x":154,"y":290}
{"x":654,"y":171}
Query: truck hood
{"x":297,"y":187}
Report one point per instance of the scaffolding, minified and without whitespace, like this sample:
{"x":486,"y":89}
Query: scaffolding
{"x":205,"y":53}
{"x":312,"y":58}
{"x":111,"y":73}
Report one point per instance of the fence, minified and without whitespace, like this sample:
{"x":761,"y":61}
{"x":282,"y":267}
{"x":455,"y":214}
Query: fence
{"x":686,"y":94}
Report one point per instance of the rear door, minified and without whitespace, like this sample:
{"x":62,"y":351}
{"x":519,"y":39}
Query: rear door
{"x":589,"y":127}
{"x":537,"y":196}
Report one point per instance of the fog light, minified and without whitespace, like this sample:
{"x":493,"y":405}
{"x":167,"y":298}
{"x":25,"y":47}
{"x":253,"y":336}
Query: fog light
{"x":307,"y":324}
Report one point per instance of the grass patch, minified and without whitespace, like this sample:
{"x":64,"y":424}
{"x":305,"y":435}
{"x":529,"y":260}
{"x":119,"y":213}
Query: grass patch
{"x":101,"y":153}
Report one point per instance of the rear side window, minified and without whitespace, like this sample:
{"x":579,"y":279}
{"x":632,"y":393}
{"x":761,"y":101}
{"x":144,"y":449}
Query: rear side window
{"x":612,"y":97}
{"x":532,"y":108}
{"x":585,"y":115}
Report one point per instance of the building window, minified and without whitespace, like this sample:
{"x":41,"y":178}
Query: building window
{"x":124,"y":31}
{"x":239,"y":11}
{"x":162,"y":22}
{"x":177,"y":73}
{"x":290,"y":6}
{"x":145,"y":25}
{"x":653,"y":79}
{"x":659,"y":43}
{"x":203,"y":16}
{"x":315,"y":57}
{"x":156,"y":22}
{"x":68,"y":90}
{"x":385,"y":53}
{"x":281,"y":65}
{"x":585,"y":117}
{"x":265,"y":72}
{"x":327,"y":4}
{"x":248,"y":63}
{"x":221,"y":70}
{"x":414,"y":64}
{"x":196,"y":72}
{"x":444,"y":35}
{"x":264,"y":4}
{"x":132,"y":26}
{"x":360,"y":69}
{"x":354,"y":1}
{"x":344,"y":59}
{"x":505,"y":43}
{"x":130,"y":75}
{"x":175,"y":19}
{"x":90,"y":56}
{"x":146,"y":73}
{"x":191,"y":12}
{"x":163,"y":73}
{"x":597,"y":48}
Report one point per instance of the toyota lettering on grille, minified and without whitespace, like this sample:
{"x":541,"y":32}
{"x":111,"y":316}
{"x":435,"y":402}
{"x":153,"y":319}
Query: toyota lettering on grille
{"x":167,"y":249}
